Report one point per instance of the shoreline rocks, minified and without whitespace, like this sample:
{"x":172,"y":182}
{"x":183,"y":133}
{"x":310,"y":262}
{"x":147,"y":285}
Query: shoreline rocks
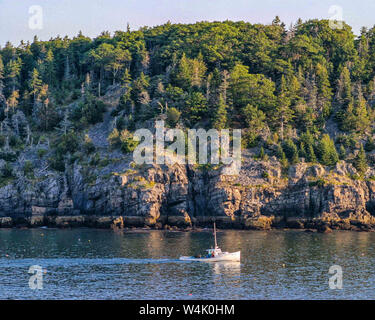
{"x":122,"y":222}
{"x":309,"y":197}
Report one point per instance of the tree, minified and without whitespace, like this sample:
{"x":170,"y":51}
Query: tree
{"x":356,"y":118}
{"x":123,"y":140}
{"x":220,"y":119}
{"x":13,"y":101}
{"x":1,"y":75}
{"x":326,"y":151}
{"x":262,"y":155}
{"x":126,"y":78}
{"x":360,"y":161}
{"x":324,"y":90}
{"x":108,"y":58}
{"x":283,"y":112}
{"x":118,"y":59}
{"x":195,"y":107}
{"x":311,"y":154}
{"x":342,"y":153}
{"x":290,"y":149}
{"x":173,"y":115}
{"x":35,"y":83}
{"x":254,"y":89}
{"x":49,"y":68}
{"x":183,"y":75}
{"x":2,"y":96}
{"x":189,"y":72}
{"x":45,"y":111}
{"x":344,"y":89}
{"x":254,"y":117}
{"x":13,"y":69}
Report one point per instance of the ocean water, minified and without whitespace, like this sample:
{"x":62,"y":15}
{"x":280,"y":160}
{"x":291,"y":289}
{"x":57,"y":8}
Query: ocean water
{"x":104,"y":264}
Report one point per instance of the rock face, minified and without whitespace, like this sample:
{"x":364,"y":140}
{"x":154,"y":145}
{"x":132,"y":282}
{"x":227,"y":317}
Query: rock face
{"x":261,"y":197}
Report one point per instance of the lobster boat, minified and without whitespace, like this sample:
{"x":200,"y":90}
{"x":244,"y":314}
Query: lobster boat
{"x":215,"y":254}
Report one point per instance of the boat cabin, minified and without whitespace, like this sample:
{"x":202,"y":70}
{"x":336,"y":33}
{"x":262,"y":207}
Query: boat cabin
{"x":213,"y":252}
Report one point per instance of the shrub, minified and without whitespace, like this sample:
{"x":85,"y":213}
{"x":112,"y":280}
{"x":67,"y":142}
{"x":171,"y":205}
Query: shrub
{"x":57,"y":163}
{"x":67,"y":143}
{"x":14,"y":141}
{"x":370,"y":144}
{"x":2,"y":141}
{"x":123,"y":140}
{"x":290,"y":149}
{"x":8,"y":156}
{"x":250,"y":140}
{"x":173,"y":115}
{"x":7,"y":171}
{"x":41,"y":153}
{"x":28,"y":169}
{"x":90,"y":111}
{"x":88,"y":145}
{"x":95,"y":160}
{"x":342,"y":153}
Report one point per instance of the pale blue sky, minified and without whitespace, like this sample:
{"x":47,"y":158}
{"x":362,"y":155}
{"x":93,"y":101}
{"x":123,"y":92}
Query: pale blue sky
{"x":63,"y":17}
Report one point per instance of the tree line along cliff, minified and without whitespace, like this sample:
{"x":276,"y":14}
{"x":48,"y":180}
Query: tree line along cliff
{"x":303,"y":95}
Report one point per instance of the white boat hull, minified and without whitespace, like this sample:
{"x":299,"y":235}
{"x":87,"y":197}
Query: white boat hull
{"x":225,"y":256}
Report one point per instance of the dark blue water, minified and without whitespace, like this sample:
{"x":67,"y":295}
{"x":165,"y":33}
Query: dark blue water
{"x":103,"y":264}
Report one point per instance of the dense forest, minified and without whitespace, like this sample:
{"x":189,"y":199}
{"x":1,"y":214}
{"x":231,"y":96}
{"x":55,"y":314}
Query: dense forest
{"x":307,"y":91}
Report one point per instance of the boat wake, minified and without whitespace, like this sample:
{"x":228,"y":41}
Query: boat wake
{"x":69,"y":262}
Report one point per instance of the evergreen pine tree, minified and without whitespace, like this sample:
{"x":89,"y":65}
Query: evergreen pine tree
{"x":342,"y":153}
{"x":220,"y":116}
{"x":327,"y":151}
{"x":360,"y":161}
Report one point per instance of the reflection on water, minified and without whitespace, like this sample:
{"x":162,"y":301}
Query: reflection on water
{"x":102,"y":264}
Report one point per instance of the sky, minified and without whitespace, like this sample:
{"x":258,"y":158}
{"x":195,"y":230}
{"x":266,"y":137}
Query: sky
{"x":68,"y":17}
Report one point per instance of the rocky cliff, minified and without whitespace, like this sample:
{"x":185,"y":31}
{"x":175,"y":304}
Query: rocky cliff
{"x":120,"y":194}
{"x":106,"y":189}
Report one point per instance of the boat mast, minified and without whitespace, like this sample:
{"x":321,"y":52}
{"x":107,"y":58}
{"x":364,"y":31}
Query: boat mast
{"x":215,"y":235}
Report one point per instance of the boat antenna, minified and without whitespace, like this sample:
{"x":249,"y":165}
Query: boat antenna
{"x":215,"y":235}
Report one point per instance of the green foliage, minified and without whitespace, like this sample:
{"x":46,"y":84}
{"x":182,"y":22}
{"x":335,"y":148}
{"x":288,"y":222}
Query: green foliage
{"x":173,"y":115}
{"x":220,"y":117}
{"x":290,"y":149}
{"x":326,"y":151}
{"x":254,"y":117}
{"x":123,"y":140}
{"x":260,"y":78}
{"x":189,"y":72}
{"x":14,"y":141}
{"x":250,"y":139}
{"x":253,"y":89}
{"x":2,"y":141}
{"x":41,"y":153}
{"x":88,"y":145}
{"x":89,"y":111}
{"x":370,"y":144}
{"x":342,"y":153}
{"x":7,"y":171}
{"x":262,"y":155}
{"x":195,"y":107}
{"x":360,"y":161}
{"x":8,"y":156}
{"x":66,"y":144}
{"x":28,"y":169}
